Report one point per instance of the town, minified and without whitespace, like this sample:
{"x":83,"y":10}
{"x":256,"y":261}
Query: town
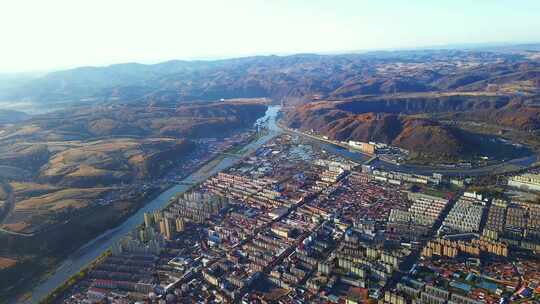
{"x":246,"y":152}
{"x":293,"y":223}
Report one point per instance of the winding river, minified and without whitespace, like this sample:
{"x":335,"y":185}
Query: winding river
{"x":499,"y":168}
{"x":90,"y":251}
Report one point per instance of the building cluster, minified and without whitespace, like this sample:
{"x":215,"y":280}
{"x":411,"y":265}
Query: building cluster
{"x":196,"y":207}
{"x":418,"y":220}
{"x":449,"y":248}
{"x":448,"y":282}
{"x":412,"y":291}
{"x":383,"y":151}
{"x":466,"y":214}
{"x":527,"y":181}
{"x":262,"y":194}
{"x":367,"y":265}
{"x":128,"y":274}
{"x":399,"y":178}
{"x":292,"y":223}
{"x":515,"y":223}
{"x":144,"y":240}
{"x":236,"y":225}
{"x":364,"y":147}
{"x":328,"y":172}
{"x":230,"y":275}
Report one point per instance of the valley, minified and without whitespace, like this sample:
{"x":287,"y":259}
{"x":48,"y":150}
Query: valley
{"x":270,"y":152}
{"x":410,"y":124}
{"x":106,"y":143}
{"x":68,"y":180}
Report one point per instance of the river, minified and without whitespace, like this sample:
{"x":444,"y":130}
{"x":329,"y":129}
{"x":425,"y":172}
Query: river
{"x":499,"y":168}
{"x":91,"y":250}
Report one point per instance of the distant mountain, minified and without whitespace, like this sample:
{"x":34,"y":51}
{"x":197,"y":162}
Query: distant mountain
{"x":9,"y":82}
{"x":93,"y":82}
{"x":491,"y":85}
{"x":380,"y":86}
{"x":12,"y":116}
{"x":297,"y":76}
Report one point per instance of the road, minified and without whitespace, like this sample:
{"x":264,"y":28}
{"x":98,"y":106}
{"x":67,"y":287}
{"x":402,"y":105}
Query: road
{"x":94,"y":248}
{"x":343,"y":150}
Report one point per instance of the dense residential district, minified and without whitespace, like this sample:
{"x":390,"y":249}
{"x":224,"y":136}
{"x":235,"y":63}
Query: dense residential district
{"x":293,"y":223}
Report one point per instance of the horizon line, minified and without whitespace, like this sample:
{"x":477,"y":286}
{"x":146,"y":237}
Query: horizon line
{"x":208,"y":58}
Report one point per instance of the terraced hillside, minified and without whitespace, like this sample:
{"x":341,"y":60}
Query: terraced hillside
{"x":100,"y":148}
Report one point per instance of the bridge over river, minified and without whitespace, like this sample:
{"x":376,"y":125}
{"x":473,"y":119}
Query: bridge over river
{"x":90,"y":251}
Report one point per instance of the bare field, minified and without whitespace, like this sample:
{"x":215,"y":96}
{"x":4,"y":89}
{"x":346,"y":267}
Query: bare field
{"x":75,"y":198}
{"x":25,"y":189}
{"x":87,"y":170}
{"x":29,"y":213}
{"x":16,"y":227}
{"x":24,"y":131}
{"x":91,"y":159}
{"x":7,"y":262}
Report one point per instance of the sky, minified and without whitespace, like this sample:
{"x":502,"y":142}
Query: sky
{"x":43,"y":35}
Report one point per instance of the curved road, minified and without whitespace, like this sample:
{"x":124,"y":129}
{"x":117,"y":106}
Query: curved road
{"x":499,"y":168}
{"x":490,"y":169}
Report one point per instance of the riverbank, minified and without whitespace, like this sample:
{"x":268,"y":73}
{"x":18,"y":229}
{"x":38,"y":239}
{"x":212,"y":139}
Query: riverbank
{"x":502,"y":167}
{"x":90,"y":251}
{"x":74,"y":279}
{"x":102,"y":218}
{"x":86,"y":226}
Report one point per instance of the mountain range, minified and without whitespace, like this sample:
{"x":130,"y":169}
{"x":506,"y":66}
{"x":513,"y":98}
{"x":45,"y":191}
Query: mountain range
{"x":301,"y":76}
{"x":488,"y":84}
{"x":104,"y":132}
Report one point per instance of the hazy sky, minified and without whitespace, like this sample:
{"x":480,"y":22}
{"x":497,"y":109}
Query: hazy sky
{"x":49,"y":34}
